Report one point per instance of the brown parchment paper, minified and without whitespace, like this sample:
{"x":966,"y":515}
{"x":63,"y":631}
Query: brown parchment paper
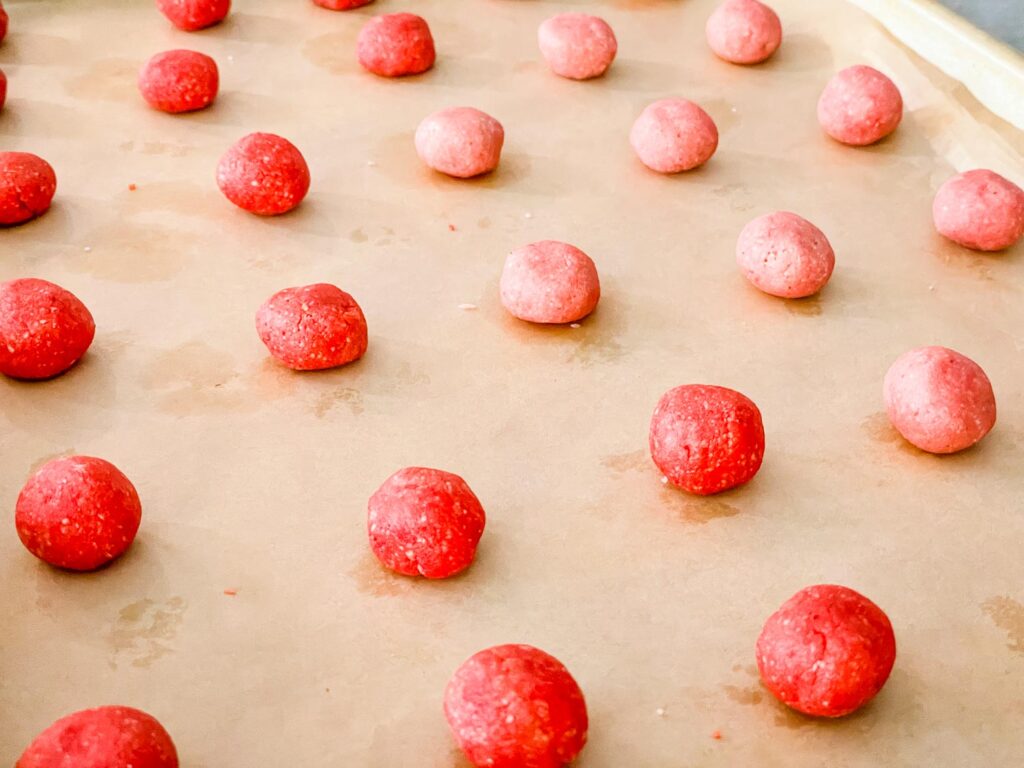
{"x":255,"y":479}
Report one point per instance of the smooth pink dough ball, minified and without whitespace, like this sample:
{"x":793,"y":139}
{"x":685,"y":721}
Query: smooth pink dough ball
{"x":341,"y":5}
{"x":744,"y":31}
{"x":785,"y":255}
{"x":549,"y":282}
{"x":192,"y":15}
{"x":179,"y":81}
{"x":395,"y":45}
{"x":673,"y":135}
{"x":980,"y":210}
{"x":460,"y":141}
{"x":939,"y":400}
{"x":860,"y":106}
{"x":577,"y":46}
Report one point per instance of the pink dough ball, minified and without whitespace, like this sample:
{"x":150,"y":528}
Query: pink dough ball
{"x":860,"y":106}
{"x":460,"y":141}
{"x":785,"y":255}
{"x":549,"y":282}
{"x":744,"y":31}
{"x":980,"y":210}
{"x":576,"y":45}
{"x":673,"y":135}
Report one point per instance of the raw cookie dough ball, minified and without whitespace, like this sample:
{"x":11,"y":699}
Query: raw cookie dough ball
{"x":939,"y":400}
{"x":341,"y":5}
{"x":460,"y":141}
{"x":396,"y":44}
{"x":191,"y":15}
{"x":706,"y":439}
{"x":3,"y":89}
{"x":78,"y":513}
{"x":980,"y":210}
{"x":106,"y":737}
{"x":312,"y":327}
{"x":27,"y":185}
{"x":744,"y":31}
{"x":785,"y":255}
{"x":577,"y":46}
{"x":425,"y":522}
{"x":860,"y":106}
{"x":179,"y":81}
{"x":673,"y":135}
{"x":827,"y":651}
{"x":514,"y":706}
{"x":3,"y":22}
{"x":549,"y":282}
{"x":263,"y":174}
{"x":44,"y":329}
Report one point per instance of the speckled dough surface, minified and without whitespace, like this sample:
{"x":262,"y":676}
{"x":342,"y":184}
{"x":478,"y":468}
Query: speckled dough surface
{"x":515,"y":706}
{"x":395,"y":45}
{"x":263,"y":174}
{"x":44,"y":329}
{"x":27,"y":185}
{"x":192,"y":15}
{"x":179,"y":81}
{"x":460,"y":141}
{"x":673,"y":135}
{"x":105,"y":737}
{"x":939,"y":400}
{"x":827,"y":651}
{"x":706,"y":439}
{"x":549,"y":282}
{"x":860,"y":106}
{"x":785,"y":255}
{"x":743,"y":31}
{"x":425,"y":522}
{"x":981,"y":210}
{"x":342,"y":5}
{"x":312,"y":327}
{"x":577,"y":45}
{"x":78,"y":513}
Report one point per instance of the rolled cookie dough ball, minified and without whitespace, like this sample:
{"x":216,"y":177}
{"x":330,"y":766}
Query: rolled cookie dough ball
{"x":106,"y":737}
{"x":577,"y":46}
{"x":673,"y":135}
{"x":860,"y":106}
{"x":396,"y":44}
{"x":939,"y":400}
{"x":78,"y":513}
{"x":744,"y":31}
{"x":3,"y":22}
{"x":549,"y":282}
{"x":312,"y":327}
{"x":514,"y":706}
{"x":425,"y":522}
{"x":44,"y":329}
{"x":827,"y":651}
{"x":27,"y":185}
{"x":460,"y":141}
{"x":706,"y":439}
{"x":263,"y":174}
{"x":191,"y":15}
{"x":785,"y":255}
{"x":341,"y":5}
{"x":3,"y":89}
{"x":179,"y":81}
{"x":980,"y":210}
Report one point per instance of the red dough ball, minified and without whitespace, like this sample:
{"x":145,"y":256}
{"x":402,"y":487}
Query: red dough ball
{"x":3,"y":89}
{"x":827,"y":651}
{"x":191,"y":15}
{"x":514,"y":706}
{"x":312,"y":327}
{"x":860,"y":106}
{"x":744,"y":31}
{"x":106,"y":737}
{"x":706,"y":439}
{"x":27,"y":185}
{"x":785,"y":255}
{"x":460,"y":141}
{"x":939,"y":400}
{"x":396,"y":44}
{"x":980,"y":210}
{"x":3,"y":22}
{"x":341,"y":5}
{"x":179,"y":81}
{"x":78,"y":513}
{"x":549,"y":282}
{"x":263,"y":174}
{"x":44,"y":329}
{"x":577,"y":46}
{"x":673,"y":135}
{"x":425,"y":522}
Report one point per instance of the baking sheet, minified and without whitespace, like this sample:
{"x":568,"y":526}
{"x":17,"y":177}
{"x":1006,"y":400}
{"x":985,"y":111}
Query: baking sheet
{"x":255,"y":479}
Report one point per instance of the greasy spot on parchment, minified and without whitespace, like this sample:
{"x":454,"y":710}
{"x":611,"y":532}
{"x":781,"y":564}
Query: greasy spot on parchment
{"x":1007,"y":614}
{"x":748,"y":696}
{"x":353,"y":398}
{"x":631,"y":461}
{"x":144,"y":631}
